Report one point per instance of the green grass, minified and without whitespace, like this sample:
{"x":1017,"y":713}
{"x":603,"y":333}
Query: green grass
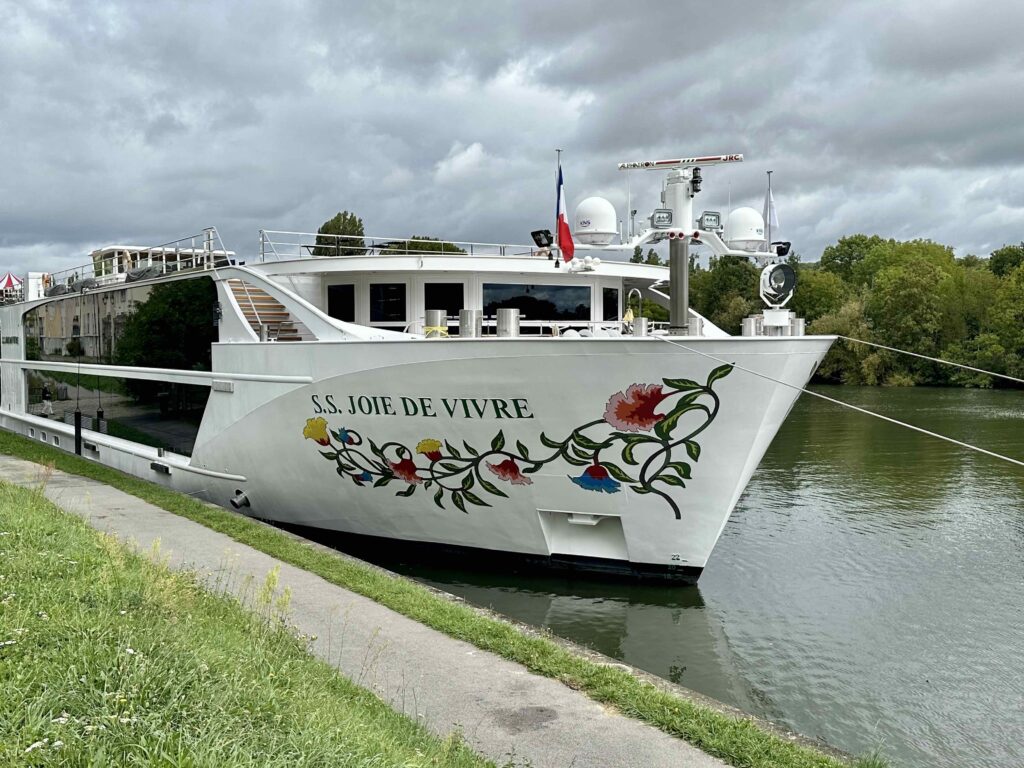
{"x":109,"y":658}
{"x":739,"y":742}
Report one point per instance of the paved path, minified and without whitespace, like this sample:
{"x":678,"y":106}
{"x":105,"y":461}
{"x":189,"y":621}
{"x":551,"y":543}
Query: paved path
{"x":504,"y":711}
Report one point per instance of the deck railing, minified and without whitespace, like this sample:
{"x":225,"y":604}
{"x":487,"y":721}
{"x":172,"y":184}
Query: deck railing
{"x":200,"y":251}
{"x":282,"y":246}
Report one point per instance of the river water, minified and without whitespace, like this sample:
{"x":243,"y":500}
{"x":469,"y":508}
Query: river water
{"x":868,"y":590}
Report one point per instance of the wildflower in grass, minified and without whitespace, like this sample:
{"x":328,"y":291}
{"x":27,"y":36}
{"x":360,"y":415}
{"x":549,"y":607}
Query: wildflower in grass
{"x":509,"y":470}
{"x":130,"y":651}
{"x":7,"y":642}
{"x":37,"y":745}
{"x":57,"y":744}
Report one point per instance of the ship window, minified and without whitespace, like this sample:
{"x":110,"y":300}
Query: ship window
{"x":446,"y":296}
{"x":610,"y":301}
{"x":387,"y":303}
{"x":341,"y":302}
{"x":539,"y":302}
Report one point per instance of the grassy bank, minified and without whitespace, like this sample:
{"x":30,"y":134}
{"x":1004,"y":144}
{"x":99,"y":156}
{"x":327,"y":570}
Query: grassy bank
{"x":108,"y":658}
{"x":737,"y":741}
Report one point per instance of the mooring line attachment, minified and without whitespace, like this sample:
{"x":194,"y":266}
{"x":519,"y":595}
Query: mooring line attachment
{"x":934,"y":359}
{"x":898,"y":423}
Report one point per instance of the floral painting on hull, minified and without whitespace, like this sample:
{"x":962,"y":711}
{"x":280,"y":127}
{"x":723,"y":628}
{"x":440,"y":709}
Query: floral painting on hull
{"x":634,"y":445}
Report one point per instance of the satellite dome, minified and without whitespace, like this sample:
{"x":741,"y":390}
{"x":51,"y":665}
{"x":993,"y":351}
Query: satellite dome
{"x":595,"y":222}
{"x":744,"y":230}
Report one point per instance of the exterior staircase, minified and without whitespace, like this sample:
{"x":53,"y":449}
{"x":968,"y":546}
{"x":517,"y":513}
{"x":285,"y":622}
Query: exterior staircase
{"x":260,"y":308}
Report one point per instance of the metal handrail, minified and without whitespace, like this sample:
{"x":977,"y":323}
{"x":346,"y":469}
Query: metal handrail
{"x":278,"y":244}
{"x":113,"y":270}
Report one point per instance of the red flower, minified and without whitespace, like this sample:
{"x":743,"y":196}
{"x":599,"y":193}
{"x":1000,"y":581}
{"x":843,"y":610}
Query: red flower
{"x":405,"y":470}
{"x":633,"y":410}
{"x":509,"y":470}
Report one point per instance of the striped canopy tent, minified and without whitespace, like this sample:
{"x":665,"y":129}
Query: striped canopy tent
{"x":10,"y":282}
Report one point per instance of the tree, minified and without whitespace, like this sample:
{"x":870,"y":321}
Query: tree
{"x":841,"y":258}
{"x":844,"y":363}
{"x":818,"y":293}
{"x":1006,"y":259}
{"x":653,"y":258}
{"x":713,"y":291}
{"x":638,"y":255}
{"x":892,"y":253}
{"x":341,"y":235}
{"x":421,"y":244}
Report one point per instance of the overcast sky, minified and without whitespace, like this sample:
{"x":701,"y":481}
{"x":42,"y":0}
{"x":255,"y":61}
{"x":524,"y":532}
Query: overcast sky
{"x":142,"y":121}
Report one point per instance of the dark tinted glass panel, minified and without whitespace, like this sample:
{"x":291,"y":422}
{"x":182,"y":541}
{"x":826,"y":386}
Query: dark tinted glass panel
{"x":539,"y":302}
{"x":446,"y":296}
{"x":155,"y":413}
{"x":387,"y":302}
{"x":341,"y":302}
{"x":171,"y":325}
{"x":610,"y":298}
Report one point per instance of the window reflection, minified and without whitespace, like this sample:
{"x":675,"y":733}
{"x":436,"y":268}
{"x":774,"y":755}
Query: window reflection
{"x":539,"y":302}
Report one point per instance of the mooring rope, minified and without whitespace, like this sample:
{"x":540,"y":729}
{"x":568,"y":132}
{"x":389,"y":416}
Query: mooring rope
{"x":935,"y":359}
{"x":923,"y":431}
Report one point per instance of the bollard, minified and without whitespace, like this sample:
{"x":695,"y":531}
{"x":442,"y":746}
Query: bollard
{"x":471,"y":323}
{"x":508,"y":321}
{"x":435,"y":324}
{"x":640,"y":326}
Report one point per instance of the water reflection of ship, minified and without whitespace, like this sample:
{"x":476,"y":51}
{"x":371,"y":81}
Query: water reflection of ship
{"x":667,"y":631}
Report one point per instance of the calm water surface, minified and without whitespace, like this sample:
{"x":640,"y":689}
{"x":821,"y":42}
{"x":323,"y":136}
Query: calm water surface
{"x":869,"y":589}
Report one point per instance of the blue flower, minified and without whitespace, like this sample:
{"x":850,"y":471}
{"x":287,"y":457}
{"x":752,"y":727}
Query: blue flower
{"x":596,"y":478}
{"x":343,"y":436}
{"x":365,"y":477}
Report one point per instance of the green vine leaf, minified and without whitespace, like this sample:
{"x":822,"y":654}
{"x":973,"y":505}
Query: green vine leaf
{"x":472,"y":498}
{"x":588,"y":455}
{"x":682,"y":385}
{"x":523,"y":450}
{"x":452,"y":450}
{"x":451,"y":467}
{"x":438,"y":496}
{"x":627,"y":453}
{"x":329,"y":455}
{"x":382,"y":481}
{"x":681,"y":468}
{"x":640,"y":489}
{"x":719,"y":373}
{"x":471,"y":449}
{"x":617,"y":472}
{"x":346,"y":467}
{"x":549,"y":442}
{"x":457,"y":498}
{"x":498,"y":442}
{"x":671,"y":480}
{"x":571,"y":459}
{"x":664,"y":428}
{"x":585,"y":442}
{"x":427,"y":484}
{"x":490,"y":487}
{"x":376,"y":450}
{"x":467,"y":481}
{"x":693,"y":449}
{"x":408,"y":491}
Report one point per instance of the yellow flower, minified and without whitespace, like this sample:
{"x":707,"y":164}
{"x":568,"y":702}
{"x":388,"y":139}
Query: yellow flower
{"x":430,"y":448}
{"x":316,"y":429}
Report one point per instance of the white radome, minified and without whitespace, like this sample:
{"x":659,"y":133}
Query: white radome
{"x":744,"y":230}
{"x":595,"y":222}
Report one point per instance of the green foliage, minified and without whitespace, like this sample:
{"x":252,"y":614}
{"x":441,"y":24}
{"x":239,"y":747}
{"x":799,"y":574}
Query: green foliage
{"x":893,"y":253}
{"x":726,"y":292}
{"x":74,"y":347}
{"x":331,"y":240}
{"x":32,"y":351}
{"x":421,"y":244}
{"x":817,"y":293}
{"x":118,"y":661}
{"x":652,"y":257}
{"x":841,"y":258}
{"x":1006,"y":259}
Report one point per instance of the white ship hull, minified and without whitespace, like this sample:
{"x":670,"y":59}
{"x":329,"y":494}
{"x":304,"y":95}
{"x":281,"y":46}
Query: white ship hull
{"x":514,"y":430}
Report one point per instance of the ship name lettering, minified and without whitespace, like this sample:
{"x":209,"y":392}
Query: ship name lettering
{"x":423,"y":407}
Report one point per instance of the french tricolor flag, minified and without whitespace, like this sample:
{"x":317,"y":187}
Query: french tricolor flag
{"x":564,"y":235}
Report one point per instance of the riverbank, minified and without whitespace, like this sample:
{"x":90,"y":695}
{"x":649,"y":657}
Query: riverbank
{"x":739,"y":741}
{"x":110,"y":658}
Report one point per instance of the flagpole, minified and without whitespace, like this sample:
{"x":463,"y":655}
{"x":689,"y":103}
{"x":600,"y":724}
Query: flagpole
{"x":558,"y":170}
{"x":769,"y":222}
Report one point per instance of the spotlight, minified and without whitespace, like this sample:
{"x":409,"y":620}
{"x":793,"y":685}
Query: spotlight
{"x":542,"y":237}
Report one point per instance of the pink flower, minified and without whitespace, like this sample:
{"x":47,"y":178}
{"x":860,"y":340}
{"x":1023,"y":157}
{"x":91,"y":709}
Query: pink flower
{"x":633,"y":410}
{"x":509,"y":470}
{"x":405,"y":470}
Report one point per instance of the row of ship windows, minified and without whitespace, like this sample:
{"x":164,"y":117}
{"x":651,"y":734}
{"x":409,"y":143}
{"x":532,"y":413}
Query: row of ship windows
{"x":389,"y":301}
